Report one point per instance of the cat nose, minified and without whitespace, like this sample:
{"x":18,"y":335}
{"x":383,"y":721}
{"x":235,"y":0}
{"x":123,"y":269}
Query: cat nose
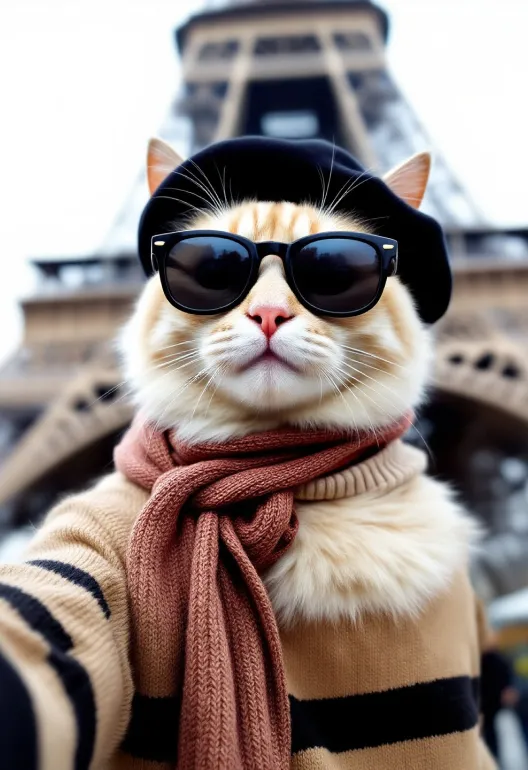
{"x":269,"y":318}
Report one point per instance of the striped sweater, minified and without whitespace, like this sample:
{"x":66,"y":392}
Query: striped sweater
{"x":380,"y":692}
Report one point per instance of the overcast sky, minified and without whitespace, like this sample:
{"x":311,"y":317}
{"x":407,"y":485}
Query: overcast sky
{"x":84,"y":83}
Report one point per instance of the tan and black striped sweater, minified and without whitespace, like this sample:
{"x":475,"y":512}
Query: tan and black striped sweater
{"x":382,"y":691}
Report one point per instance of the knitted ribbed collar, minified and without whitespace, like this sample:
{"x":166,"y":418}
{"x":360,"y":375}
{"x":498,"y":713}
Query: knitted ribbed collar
{"x":389,"y":468}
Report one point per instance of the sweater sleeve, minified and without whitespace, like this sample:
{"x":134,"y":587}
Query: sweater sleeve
{"x":65,"y":680}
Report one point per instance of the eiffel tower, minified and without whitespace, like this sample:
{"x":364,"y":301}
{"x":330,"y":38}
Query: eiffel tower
{"x":297,"y":69}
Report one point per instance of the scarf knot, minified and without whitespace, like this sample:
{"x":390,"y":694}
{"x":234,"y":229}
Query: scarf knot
{"x":265,"y":528}
{"x":203,"y":628}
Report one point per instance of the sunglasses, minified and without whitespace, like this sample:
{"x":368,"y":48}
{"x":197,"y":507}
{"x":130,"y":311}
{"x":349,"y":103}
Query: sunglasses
{"x":332,"y":274}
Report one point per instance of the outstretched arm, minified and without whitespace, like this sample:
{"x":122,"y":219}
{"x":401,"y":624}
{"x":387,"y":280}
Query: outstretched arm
{"x":65,"y":679}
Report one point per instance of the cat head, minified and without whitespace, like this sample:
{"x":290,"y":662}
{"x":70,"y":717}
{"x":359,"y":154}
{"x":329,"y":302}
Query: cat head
{"x":269,"y":361}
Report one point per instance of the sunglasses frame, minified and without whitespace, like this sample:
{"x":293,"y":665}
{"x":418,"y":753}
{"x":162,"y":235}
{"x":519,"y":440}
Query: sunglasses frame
{"x":386,"y":248}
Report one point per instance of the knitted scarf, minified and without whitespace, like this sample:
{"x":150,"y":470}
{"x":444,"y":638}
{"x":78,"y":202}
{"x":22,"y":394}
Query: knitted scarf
{"x":203,"y":628}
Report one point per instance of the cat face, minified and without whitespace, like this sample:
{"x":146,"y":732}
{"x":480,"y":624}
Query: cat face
{"x":269,"y":361}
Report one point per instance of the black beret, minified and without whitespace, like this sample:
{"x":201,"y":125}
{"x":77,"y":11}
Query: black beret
{"x":265,"y":169}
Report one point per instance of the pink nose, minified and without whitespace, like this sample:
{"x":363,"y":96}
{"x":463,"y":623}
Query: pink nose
{"x":269,"y":318}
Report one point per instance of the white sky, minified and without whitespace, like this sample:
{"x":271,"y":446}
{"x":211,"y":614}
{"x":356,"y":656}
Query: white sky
{"x":84,"y":83}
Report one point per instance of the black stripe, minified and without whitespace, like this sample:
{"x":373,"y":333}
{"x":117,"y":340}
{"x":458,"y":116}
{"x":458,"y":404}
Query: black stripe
{"x":18,"y":729}
{"x":73,"y":676}
{"x":78,"y":576}
{"x":376,"y":719}
{"x":37,"y":616}
{"x":152,"y":733}
{"x":78,"y":686}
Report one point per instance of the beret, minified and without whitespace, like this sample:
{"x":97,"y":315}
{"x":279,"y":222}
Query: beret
{"x":265,"y":169}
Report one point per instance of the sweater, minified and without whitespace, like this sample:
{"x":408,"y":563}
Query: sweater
{"x":376,"y":691}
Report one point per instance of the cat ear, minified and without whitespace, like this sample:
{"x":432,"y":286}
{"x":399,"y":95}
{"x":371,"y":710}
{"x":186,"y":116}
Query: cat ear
{"x":161,"y":160}
{"x":409,"y":179}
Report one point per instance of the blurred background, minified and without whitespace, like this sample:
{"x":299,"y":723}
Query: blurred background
{"x":83,"y":85}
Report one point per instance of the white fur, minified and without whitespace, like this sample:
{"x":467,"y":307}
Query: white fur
{"x":372,"y":553}
{"x":385,"y":553}
{"x":305,"y":387}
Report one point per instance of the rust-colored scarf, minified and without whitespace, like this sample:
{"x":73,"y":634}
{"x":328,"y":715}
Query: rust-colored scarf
{"x":203,"y":626}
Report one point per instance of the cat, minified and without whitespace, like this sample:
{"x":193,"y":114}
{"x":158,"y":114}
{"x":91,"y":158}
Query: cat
{"x":194,"y":610}
{"x":198,"y":372}
{"x":206,"y":376}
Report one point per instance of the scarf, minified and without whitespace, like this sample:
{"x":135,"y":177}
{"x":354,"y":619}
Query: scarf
{"x":203,"y":628}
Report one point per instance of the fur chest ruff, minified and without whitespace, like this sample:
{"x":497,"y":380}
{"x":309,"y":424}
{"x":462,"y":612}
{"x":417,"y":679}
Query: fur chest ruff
{"x":391,"y":549}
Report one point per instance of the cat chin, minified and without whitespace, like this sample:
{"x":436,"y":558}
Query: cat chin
{"x":272,"y":387}
{"x":240,"y":406}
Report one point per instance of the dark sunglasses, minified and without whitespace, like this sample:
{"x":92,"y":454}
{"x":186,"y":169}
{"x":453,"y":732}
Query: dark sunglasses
{"x":332,"y":274}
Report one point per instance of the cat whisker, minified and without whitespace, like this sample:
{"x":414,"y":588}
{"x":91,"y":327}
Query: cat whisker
{"x":177,"y":344}
{"x":209,"y":381}
{"x":208,"y":190}
{"x":175,"y":354}
{"x":188,"y":357}
{"x":171,"y":370}
{"x":206,"y":179}
{"x":356,"y":183}
{"x":341,"y":395}
{"x":372,"y":355}
{"x":171,"y":399}
{"x":326,"y":185}
{"x":185,"y":203}
{"x":321,"y":344}
{"x":169,"y":366}
{"x":231,"y":192}
{"x":178,"y":357}
{"x":371,"y":366}
{"x":125,"y":394}
{"x":323,"y":185}
{"x":343,"y":382}
{"x":346,"y":188}
{"x":372,"y":379}
{"x":170,"y":360}
{"x":210,"y":202}
{"x":183,"y":350}
{"x":218,"y":369}
{"x":413,"y":426}
{"x":224,"y":187}
{"x":394,"y":395}
{"x":110,"y":391}
{"x":377,"y":382}
{"x":222,"y":341}
{"x":196,"y":195}
{"x":331,"y":207}
{"x":207,"y":182}
{"x":323,"y":204}
{"x":376,"y":219}
{"x":222,"y":184}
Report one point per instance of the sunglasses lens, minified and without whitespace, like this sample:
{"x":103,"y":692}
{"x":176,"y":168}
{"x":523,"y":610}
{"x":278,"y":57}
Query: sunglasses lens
{"x":337,"y":275}
{"x":207,"y":273}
